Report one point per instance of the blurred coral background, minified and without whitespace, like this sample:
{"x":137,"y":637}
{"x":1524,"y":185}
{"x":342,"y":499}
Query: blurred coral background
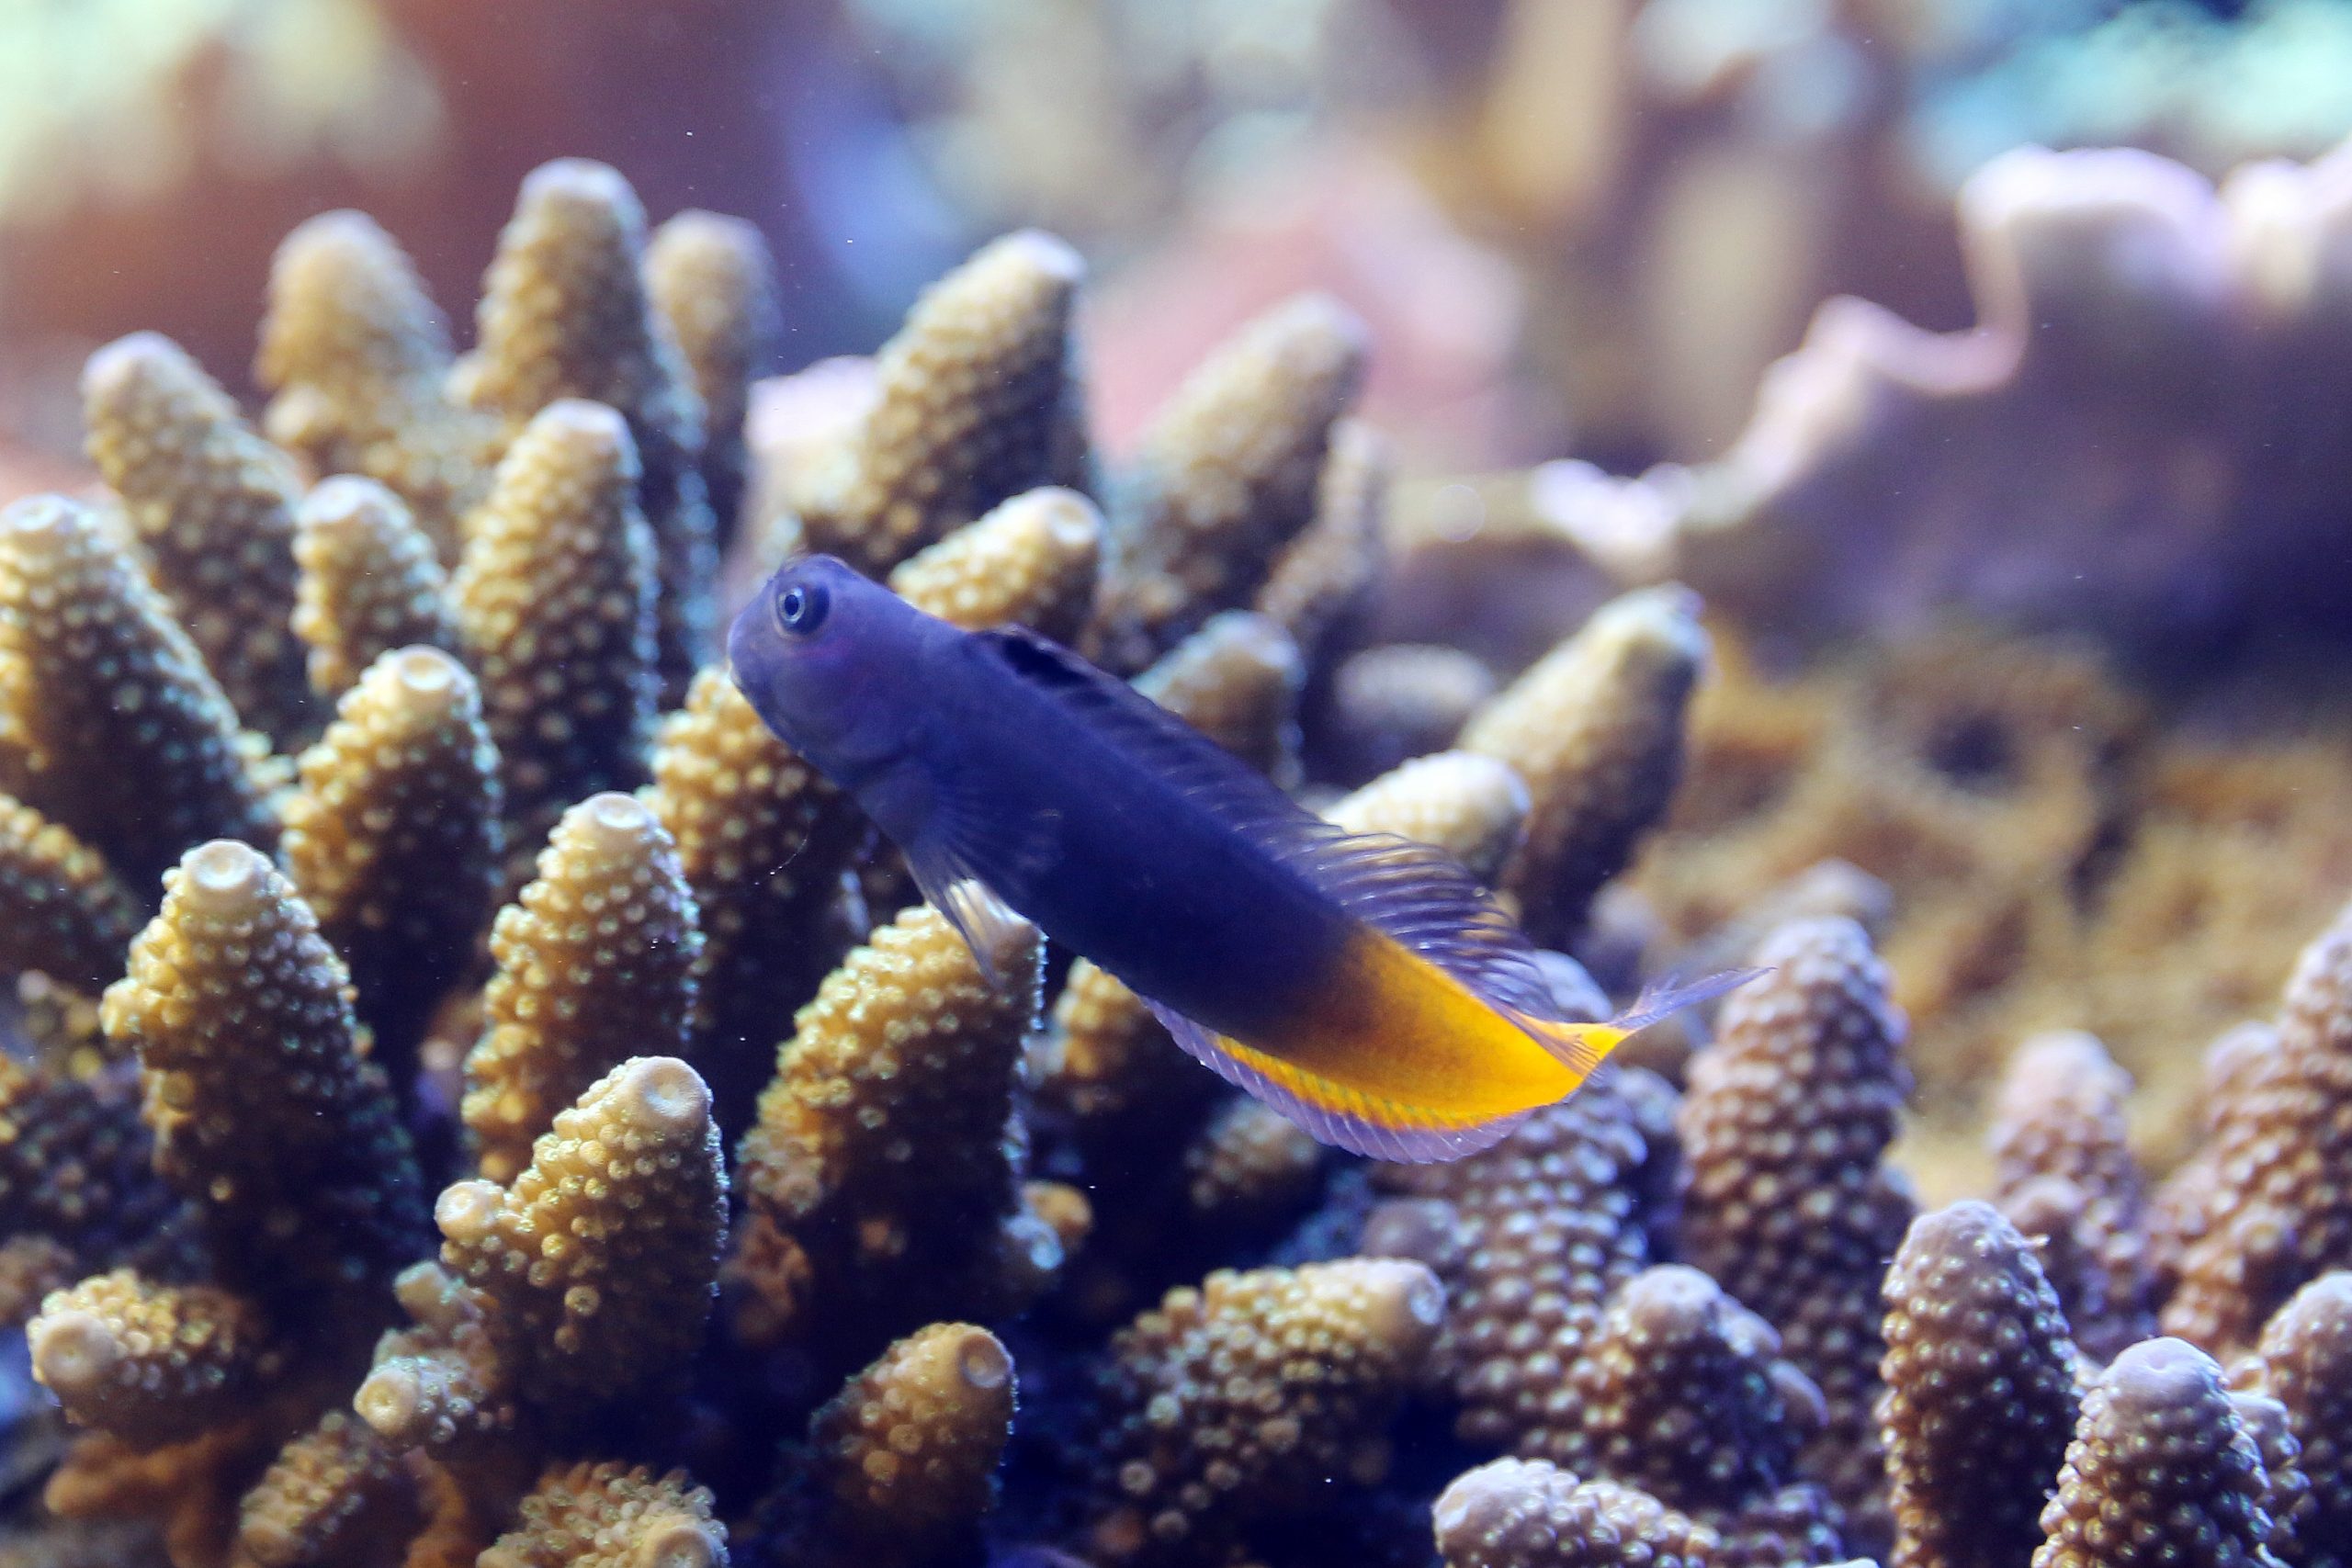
{"x":1578,"y":226}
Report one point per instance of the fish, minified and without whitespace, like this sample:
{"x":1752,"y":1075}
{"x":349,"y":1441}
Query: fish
{"x":1363,"y":985}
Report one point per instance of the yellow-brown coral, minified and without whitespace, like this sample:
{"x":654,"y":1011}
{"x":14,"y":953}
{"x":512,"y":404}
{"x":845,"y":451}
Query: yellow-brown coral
{"x":595,"y":965}
{"x":213,"y":505}
{"x":394,"y":840}
{"x":118,"y":731}
{"x":555,"y":608}
{"x":370,"y":582}
{"x":975,"y":404}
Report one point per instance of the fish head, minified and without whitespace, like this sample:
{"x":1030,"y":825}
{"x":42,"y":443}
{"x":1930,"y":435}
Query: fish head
{"x":826,"y":657}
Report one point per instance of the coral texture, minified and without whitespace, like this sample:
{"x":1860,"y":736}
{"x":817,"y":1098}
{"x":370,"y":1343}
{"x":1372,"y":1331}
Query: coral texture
{"x":1532,"y":1514}
{"x":394,"y":840}
{"x":212,"y":504}
{"x":565,"y":315}
{"x":554,"y":600}
{"x":1248,"y":1398}
{"x":611,"y":1515}
{"x":1785,"y":1197}
{"x":975,"y":403}
{"x":1980,"y":1390}
{"x":595,"y":965}
{"x":2160,"y":1471}
{"x":354,"y":354}
{"x":2281,"y":1205}
{"x":370,"y":581}
{"x":1595,"y":730}
{"x":118,"y":730}
{"x":266,"y":1116}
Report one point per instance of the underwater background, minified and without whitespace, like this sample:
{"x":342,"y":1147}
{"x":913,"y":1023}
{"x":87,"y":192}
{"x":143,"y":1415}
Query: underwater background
{"x":1857,"y":487}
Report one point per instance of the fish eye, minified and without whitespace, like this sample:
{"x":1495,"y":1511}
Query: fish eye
{"x":800,"y":608}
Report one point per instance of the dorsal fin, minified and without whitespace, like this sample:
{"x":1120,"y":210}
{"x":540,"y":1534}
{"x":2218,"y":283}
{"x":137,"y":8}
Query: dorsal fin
{"x":1415,"y":893}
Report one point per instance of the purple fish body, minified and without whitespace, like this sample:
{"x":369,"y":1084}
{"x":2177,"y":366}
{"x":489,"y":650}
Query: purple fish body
{"x":1307,"y":965}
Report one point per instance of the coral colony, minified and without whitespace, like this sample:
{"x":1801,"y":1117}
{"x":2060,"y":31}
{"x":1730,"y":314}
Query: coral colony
{"x":480,"y":1098}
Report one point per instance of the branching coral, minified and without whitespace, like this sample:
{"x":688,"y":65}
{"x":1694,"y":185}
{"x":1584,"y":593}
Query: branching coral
{"x":595,"y":965}
{"x":2280,"y":1212}
{"x":1033,"y":560}
{"x":1595,"y":729}
{"x":2304,"y":1361}
{"x":588,"y":1277}
{"x":394,"y":840}
{"x":2066,"y":1175}
{"x":118,"y":732}
{"x":356,"y":355}
{"x":1228,"y":478}
{"x":881,"y":1178}
{"x":975,"y":401}
{"x":2160,"y":1471}
{"x":1237,"y":680}
{"x":1785,"y":1199}
{"x":152,"y":1364}
{"x":1980,"y":1390}
{"x":713,"y":281}
{"x":610,"y":1516}
{"x":1249,"y":1397}
{"x":554,"y":600}
{"x":213,"y":507}
{"x":565,"y":314}
{"x":1532,"y":1514}
{"x":61,"y":911}
{"x":333,"y":1495}
{"x":370,"y":582}
{"x":266,"y":1114}
{"x":76,"y":1192}
{"x":900,"y":1465}
{"x":1531,"y":1237}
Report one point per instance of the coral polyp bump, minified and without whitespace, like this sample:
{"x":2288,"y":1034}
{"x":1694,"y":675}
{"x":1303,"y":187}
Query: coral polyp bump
{"x":478,"y":1096}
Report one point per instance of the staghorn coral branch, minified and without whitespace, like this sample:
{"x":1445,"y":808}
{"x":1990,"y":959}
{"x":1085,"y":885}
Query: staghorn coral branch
{"x":334,"y":1494}
{"x":2160,"y":1471}
{"x":554,"y":600}
{"x":763,"y":840}
{"x":564,"y":315}
{"x":151,"y":1364}
{"x":1980,"y":1391}
{"x":1471,"y":806}
{"x":713,"y":281}
{"x":370,"y":582}
{"x":213,"y":506}
{"x":121,"y":734}
{"x":1531,"y":1237}
{"x":900,"y":1465}
{"x":2066,"y":1175}
{"x":267,"y":1116}
{"x":1680,"y":1391}
{"x":2281,"y":1209}
{"x":354,"y":354}
{"x":1237,"y":680}
{"x":881,"y":1178}
{"x":1227,"y":478}
{"x":1785,"y":1200}
{"x":1532,"y":1514}
{"x":1241,"y":1400}
{"x":1320,"y":582}
{"x":76,"y":1189}
{"x":595,"y":965}
{"x":976,"y":401}
{"x":61,"y":911}
{"x":598,"y":1263}
{"x":2304,"y":1361}
{"x":394,"y":840}
{"x":1595,"y":729}
{"x":1391,"y":703}
{"x":610,"y":1516}
{"x":1030,"y":561}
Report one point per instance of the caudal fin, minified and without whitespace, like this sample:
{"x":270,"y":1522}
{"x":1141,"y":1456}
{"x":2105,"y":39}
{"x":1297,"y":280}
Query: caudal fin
{"x":1584,"y":1047}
